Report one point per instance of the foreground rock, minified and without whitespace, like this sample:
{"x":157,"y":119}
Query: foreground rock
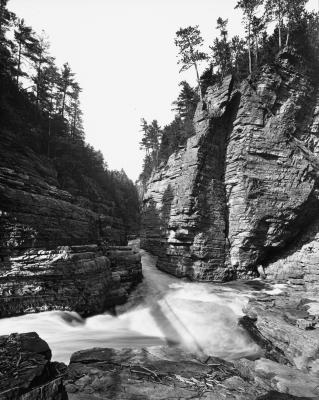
{"x":86,"y":279}
{"x":26,"y":371}
{"x":162,"y":373}
{"x":243,"y":193}
{"x":286,"y":326}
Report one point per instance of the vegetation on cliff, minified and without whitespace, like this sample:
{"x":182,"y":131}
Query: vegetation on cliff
{"x":41,"y":114}
{"x":293,"y":25}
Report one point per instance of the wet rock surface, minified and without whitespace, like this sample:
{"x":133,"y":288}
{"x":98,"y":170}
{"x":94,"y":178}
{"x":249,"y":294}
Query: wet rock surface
{"x":242,"y":195}
{"x":26,"y":371}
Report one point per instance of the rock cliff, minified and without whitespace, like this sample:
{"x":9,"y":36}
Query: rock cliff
{"x":54,"y":243}
{"x":243,"y":194}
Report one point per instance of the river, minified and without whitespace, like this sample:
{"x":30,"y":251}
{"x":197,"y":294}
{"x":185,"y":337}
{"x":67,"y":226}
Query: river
{"x":202,"y":317}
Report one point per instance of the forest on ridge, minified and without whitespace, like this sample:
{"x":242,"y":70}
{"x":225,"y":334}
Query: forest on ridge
{"x":270,"y":26}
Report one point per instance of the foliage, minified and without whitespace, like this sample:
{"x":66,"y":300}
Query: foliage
{"x":189,"y":41}
{"x":41,"y":113}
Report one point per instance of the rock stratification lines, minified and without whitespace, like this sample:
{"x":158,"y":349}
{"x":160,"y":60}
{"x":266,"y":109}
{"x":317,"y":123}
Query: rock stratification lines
{"x":245,"y":186}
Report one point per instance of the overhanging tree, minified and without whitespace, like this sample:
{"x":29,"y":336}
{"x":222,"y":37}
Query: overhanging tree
{"x":189,"y":42}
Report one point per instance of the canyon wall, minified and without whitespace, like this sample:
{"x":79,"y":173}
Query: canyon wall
{"x":243,"y":193}
{"x":54,"y":243}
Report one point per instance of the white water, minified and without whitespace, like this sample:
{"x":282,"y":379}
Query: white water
{"x":203,"y":317}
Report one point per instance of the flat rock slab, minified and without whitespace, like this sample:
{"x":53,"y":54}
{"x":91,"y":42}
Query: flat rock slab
{"x":169,"y":373}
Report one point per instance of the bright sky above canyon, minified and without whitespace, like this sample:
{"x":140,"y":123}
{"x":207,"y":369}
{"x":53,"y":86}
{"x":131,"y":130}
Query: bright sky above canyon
{"x":124,"y":57}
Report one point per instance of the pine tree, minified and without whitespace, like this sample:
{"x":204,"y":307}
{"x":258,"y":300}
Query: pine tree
{"x":64,"y":86}
{"x":249,"y":8}
{"x":189,"y":41}
{"x":258,"y":26}
{"x":237,"y":49}
{"x":187,"y":100}
{"x":25,"y":45}
{"x":222,"y":49}
{"x":75,"y":113}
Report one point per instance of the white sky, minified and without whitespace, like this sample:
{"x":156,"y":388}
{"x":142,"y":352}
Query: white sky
{"x":124,"y":57}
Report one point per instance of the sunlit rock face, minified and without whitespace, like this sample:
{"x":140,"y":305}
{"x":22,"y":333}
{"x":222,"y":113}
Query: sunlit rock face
{"x":245,"y":187}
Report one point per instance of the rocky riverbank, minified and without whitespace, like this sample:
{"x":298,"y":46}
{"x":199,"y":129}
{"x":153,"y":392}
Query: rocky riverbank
{"x":279,"y":318}
{"x":152,"y":373}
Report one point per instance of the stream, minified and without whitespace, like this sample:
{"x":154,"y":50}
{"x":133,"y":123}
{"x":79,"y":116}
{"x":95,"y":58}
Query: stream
{"x":202,"y":317}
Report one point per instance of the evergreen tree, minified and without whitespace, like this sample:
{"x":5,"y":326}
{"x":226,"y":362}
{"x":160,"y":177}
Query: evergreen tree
{"x":25,"y":45}
{"x":39,"y":55}
{"x":222,"y":49}
{"x":294,"y":10}
{"x":75,"y":113}
{"x":249,"y":8}
{"x":65,"y":84}
{"x":237,"y":49}
{"x":257,"y":27}
{"x":189,"y":41}
{"x":7,"y":18}
{"x":187,"y":100}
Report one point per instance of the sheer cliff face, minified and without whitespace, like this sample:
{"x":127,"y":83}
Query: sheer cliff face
{"x":245,"y":187}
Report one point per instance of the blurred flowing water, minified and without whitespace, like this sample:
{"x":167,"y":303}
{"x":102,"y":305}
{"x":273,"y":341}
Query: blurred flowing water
{"x":202,"y":317}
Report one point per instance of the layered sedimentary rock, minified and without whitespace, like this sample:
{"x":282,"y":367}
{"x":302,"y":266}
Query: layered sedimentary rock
{"x":78,"y":278}
{"x":26,"y":370}
{"x":245,"y":188}
{"x":53,"y":242}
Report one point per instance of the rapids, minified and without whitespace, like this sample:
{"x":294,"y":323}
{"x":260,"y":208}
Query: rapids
{"x":202,"y":317}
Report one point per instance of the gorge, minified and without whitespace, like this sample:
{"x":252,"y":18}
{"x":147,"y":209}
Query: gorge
{"x":199,"y":281}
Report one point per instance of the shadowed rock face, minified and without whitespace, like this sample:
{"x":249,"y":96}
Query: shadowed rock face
{"x":245,"y":186}
{"x":86,"y":279}
{"x":51,"y":255}
{"x":26,"y":370}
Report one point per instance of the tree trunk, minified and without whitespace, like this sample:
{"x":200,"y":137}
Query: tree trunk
{"x":1,"y":17}
{"x":257,"y":49}
{"x":287,"y":38}
{"x":19,"y":62}
{"x":74,"y":123}
{"x":198,"y":81}
{"x":249,"y":48}
{"x":279,"y":23}
{"x":49,"y":135}
{"x":63,"y":102}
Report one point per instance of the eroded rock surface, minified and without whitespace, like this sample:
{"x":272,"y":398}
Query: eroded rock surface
{"x":162,"y":373}
{"x":86,"y":279}
{"x":245,"y":188}
{"x":286,"y":326}
{"x":26,"y":370}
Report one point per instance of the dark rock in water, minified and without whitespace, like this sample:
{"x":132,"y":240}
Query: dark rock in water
{"x":26,"y":371}
{"x":242,"y":196}
{"x":75,"y":278}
